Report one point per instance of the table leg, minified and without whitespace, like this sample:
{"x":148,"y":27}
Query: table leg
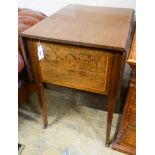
{"x":116,"y":74}
{"x":42,"y":103}
{"x":111,"y":106}
{"x":32,"y":47}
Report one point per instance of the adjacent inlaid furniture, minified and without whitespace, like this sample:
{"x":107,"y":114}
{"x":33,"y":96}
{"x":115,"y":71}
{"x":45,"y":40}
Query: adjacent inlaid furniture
{"x":125,"y":139}
{"x":84,"y":47}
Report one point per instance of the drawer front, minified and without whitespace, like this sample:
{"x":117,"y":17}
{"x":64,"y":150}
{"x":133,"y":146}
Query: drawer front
{"x":76,"y":67}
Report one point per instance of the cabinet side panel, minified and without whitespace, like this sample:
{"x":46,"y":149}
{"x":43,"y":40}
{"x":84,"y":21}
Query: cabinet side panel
{"x":76,"y":67}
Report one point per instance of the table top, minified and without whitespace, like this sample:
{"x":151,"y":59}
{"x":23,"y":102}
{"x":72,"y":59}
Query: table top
{"x":132,"y":55}
{"x":92,"y":26}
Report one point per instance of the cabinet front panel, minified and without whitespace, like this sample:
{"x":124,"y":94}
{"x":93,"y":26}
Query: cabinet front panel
{"x":76,"y":67}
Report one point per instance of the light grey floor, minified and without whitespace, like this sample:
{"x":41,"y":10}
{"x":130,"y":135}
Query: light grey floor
{"x":74,"y":129}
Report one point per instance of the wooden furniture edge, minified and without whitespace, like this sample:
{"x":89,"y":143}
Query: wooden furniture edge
{"x":123,"y":149}
{"x":73,"y":43}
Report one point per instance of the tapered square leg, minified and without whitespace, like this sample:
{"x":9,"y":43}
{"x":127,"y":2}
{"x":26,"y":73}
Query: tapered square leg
{"x":42,"y":103}
{"x":116,"y":75}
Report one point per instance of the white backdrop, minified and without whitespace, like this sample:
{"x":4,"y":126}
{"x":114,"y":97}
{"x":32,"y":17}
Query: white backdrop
{"x":50,"y":6}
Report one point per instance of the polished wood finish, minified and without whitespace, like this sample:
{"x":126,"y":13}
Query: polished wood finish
{"x":115,"y":77}
{"x":92,"y":26}
{"x":125,"y":139}
{"x":37,"y":79}
{"x":85,"y":48}
{"x":132,"y":55}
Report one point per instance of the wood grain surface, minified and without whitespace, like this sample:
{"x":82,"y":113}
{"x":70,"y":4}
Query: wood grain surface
{"x":76,"y":67}
{"x":92,"y":26}
{"x":125,"y":138}
{"x":132,"y":54}
{"x":37,"y":79}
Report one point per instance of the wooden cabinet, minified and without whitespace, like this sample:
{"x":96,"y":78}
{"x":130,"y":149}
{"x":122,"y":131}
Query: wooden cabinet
{"x":125,"y":139}
{"x":85,"y":48}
